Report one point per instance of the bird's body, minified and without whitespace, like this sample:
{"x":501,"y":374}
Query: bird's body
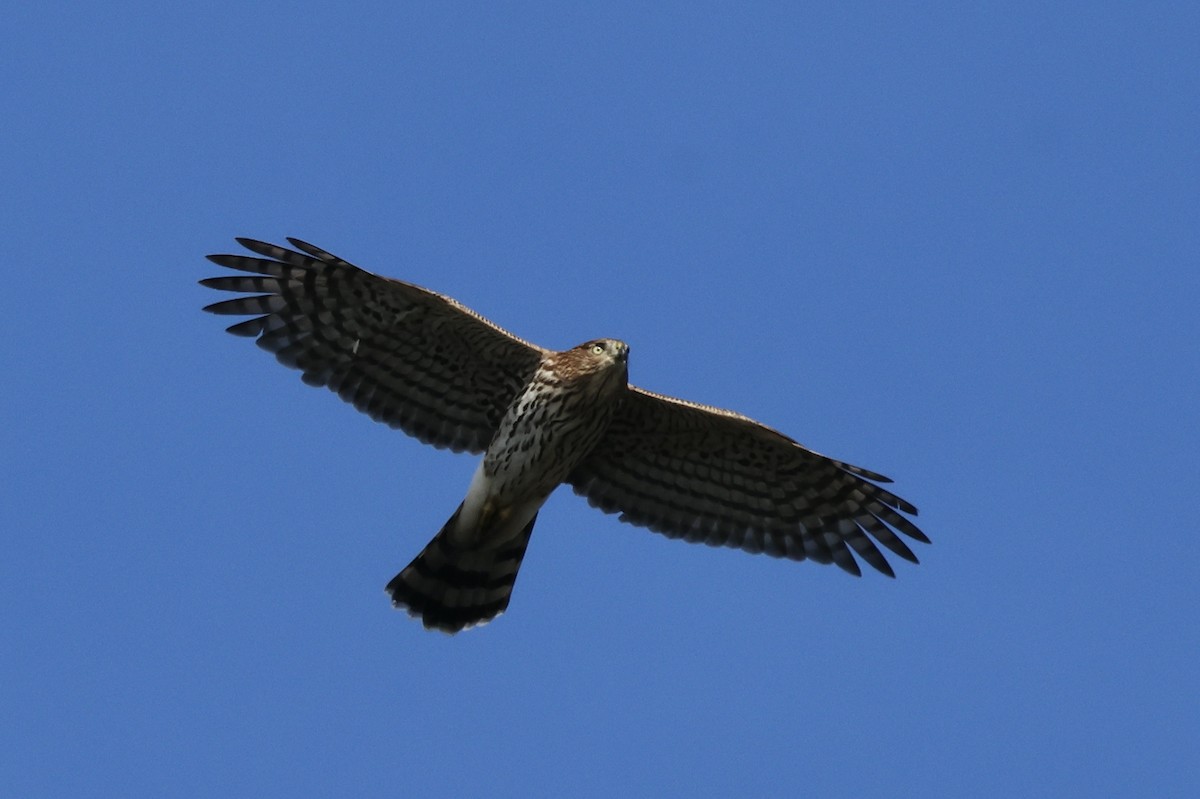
{"x":556,"y":420}
{"x":426,"y":364}
{"x":468,"y":570}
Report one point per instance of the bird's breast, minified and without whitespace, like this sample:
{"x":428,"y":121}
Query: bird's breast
{"x":547,"y":430}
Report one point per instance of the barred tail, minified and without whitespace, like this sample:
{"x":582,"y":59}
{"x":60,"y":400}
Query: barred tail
{"x":452,"y":588}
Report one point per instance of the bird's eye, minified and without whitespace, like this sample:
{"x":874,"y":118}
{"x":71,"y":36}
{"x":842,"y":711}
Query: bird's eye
{"x":597,"y":349}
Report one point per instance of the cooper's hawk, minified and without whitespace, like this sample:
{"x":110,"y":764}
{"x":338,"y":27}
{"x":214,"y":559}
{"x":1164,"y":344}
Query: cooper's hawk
{"x":422,"y":362}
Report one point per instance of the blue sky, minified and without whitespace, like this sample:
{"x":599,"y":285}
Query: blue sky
{"x":957,"y":246}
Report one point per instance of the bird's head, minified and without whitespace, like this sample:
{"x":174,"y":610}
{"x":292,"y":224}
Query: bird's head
{"x":606,"y":353}
{"x":604,"y":360}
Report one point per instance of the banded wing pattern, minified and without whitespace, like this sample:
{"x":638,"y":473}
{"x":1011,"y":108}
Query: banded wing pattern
{"x":711,"y":476}
{"x":407,"y":357}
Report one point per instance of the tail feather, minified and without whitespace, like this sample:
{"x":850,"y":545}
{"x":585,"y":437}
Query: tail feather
{"x":452,"y":588}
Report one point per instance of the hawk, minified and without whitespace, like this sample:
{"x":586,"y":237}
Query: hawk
{"x":424,"y":363}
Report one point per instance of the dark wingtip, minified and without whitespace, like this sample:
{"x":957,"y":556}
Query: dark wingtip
{"x":882,"y":566}
{"x":849,"y":565}
{"x":912,"y":531}
{"x":264,"y":248}
{"x":247,"y":329}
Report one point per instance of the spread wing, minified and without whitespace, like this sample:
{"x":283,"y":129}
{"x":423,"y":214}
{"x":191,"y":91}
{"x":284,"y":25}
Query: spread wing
{"x":416,"y":360}
{"x":713,"y":476}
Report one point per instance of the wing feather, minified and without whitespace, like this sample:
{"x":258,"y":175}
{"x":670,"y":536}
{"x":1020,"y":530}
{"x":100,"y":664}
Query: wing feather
{"x":709,"y":475}
{"x":406,"y":356}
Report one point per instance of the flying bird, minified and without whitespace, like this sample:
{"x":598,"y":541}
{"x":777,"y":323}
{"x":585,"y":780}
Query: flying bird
{"x":428,"y":365}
